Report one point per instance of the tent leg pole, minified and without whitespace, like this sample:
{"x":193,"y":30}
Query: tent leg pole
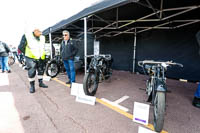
{"x":50,"y":41}
{"x":134,"y":50}
{"x":85,"y":43}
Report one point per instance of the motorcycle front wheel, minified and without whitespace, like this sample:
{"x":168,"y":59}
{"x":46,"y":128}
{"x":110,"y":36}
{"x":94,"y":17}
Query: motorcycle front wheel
{"x":52,"y":69}
{"x":159,"y":111}
{"x":90,"y":84}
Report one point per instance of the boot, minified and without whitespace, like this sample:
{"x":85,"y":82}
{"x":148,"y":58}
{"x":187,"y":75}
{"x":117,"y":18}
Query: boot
{"x":41,"y":84}
{"x":32,"y":84}
{"x":68,"y":82}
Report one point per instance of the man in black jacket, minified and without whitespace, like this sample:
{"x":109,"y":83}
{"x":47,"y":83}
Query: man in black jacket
{"x":68,"y":52}
{"x":4,"y":53}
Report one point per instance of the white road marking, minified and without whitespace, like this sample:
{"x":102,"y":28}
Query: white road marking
{"x":115,"y":104}
{"x":4,"y":79}
{"x":10,"y":119}
{"x":121,"y":99}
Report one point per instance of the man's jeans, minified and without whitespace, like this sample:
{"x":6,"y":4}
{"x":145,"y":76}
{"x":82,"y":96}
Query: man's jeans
{"x":197,"y":93}
{"x":70,"y":69}
{"x":4,"y":63}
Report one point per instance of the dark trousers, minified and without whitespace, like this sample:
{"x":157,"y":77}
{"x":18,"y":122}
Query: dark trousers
{"x":33,"y":66}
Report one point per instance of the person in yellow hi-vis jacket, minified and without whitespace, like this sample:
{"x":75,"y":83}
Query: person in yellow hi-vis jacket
{"x":32,"y":45}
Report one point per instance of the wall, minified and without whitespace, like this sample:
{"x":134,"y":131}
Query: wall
{"x":176,"y":45}
{"x":80,"y":46}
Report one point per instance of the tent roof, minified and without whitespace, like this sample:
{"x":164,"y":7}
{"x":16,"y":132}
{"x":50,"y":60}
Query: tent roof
{"x":104,"y":5}
{"x":111,"y":18}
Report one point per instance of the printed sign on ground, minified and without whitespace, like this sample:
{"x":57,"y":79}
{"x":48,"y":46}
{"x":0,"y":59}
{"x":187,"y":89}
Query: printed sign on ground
{"x":86,"y":99}
{"x":141,"y":113}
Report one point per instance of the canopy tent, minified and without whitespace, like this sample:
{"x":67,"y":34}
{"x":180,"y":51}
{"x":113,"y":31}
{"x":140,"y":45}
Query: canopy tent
{"x":112,"y":18}
{"x":124,"y":16}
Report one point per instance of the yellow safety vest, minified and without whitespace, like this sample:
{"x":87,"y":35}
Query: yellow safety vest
{"x":35,"y":48}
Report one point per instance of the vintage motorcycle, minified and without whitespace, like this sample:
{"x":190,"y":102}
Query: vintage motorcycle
{"x":54,"y":66}
{"x":156,"y":88}
{"x":98,"y":71}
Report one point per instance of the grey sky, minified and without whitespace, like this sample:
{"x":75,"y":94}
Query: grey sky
{"x":17,"y":15}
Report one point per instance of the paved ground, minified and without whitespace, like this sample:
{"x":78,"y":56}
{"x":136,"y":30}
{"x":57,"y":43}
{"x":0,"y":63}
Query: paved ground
{"x":54,"y":110}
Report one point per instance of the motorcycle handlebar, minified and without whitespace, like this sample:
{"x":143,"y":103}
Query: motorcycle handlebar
{"x":89,"y":56}
{"x":100,"y":55}
{"x":141,"y":63}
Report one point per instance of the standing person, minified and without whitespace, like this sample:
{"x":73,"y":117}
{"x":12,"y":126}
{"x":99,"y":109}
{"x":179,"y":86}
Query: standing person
{"x":14,"y":51}
{"x":4,"y":53}
{"x":33,"y":46}
{"x":20,"y":56}
{"x":196,"y":100}
{"x":68,"y":52}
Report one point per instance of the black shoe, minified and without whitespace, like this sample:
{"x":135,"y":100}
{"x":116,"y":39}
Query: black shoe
{"x":196,"y":102}
{"x":32,"y":89}
{"x":9,"y":71}
{"x":68,"y":82}
{"x":41,"y":84}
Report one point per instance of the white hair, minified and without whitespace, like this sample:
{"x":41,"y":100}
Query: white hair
{"x":66,"y":32}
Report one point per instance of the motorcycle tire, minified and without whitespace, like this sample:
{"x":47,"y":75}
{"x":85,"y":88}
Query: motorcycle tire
{"x":90,"y":84}
{"x":159,"y":111}
{"x":52,"y":69}
{"x":11,"y":61}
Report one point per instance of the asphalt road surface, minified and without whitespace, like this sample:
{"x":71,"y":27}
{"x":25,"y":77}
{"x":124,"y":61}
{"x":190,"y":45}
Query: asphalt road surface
{"x":54,"y":110}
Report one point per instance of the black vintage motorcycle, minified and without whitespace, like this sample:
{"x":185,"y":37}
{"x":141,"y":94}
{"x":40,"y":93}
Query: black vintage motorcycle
{"x":156,"y":88}
{"x":98,"y":71}
{"x":55,"y":66}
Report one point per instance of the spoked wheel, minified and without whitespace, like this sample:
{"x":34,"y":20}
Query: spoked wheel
{"x":90,"y":84}
{"x":148,"y":87}
{"x":159,"y":111}
{"x":11,"y":61}
{"x":52,"y":69}
{"x":150,"y":91}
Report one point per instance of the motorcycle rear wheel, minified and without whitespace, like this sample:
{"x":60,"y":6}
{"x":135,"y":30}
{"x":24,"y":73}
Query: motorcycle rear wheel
{"x":159,"y":111}
{"x":52,"y":69}
{"x":90,"y":84}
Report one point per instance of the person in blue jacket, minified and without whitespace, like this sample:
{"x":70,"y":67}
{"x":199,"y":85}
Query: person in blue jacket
{"x":4,"y":53}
